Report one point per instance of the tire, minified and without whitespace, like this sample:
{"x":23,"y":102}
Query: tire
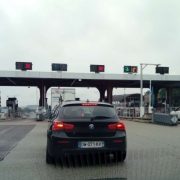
{"x":49,"y":158}
{"x":119,"y":156}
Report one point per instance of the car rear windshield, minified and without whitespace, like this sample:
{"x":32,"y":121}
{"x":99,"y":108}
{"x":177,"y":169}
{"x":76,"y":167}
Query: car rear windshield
{"x":87,"y":112}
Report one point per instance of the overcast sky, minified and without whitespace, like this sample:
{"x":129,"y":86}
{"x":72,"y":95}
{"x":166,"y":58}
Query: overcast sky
{"x":83,"y":32}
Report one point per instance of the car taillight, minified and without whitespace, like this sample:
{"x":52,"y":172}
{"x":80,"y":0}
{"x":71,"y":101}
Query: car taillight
{"x":58,"y":125}
{"x":117,"y":126}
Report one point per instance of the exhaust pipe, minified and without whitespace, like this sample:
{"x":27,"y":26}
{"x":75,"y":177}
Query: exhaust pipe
{"x":67,"y":155}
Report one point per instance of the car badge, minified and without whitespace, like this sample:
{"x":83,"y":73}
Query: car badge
{"x":91,"y":126}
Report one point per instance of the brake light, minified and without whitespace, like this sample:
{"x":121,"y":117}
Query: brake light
{"x":117,"y":126}
{"x":89,"y":104}
{"x":58,"y":125}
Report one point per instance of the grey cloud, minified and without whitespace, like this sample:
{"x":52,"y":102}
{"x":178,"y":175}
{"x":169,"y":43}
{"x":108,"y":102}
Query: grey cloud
{"x":80,"y":33}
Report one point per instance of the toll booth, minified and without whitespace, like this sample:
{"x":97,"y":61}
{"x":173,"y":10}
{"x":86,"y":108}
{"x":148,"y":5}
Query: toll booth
{"x":12,"y":105}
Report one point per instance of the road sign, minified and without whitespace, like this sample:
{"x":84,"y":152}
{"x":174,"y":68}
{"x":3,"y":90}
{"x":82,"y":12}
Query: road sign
{"x":24,"y":65}
{"x":162,"y":70}
{"x":59,"y":67}
{"x":97,"y":68}
{"x":130,"y":69}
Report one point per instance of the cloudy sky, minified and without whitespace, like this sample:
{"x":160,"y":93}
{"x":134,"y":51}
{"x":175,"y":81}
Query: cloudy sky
{"x":83,"y":32}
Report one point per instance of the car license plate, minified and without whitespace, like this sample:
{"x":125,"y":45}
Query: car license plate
{"x":90,"y":144}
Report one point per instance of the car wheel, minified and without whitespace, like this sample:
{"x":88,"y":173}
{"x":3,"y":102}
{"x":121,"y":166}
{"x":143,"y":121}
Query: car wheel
{"x":119,"y":156}
{"x":49,"y":158}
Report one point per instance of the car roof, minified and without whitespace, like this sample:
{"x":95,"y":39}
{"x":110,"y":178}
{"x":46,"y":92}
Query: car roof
{"x":84,"y":102}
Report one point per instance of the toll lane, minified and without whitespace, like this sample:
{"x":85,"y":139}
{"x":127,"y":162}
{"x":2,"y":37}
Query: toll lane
{"x":10,"y":135}
{"x":153,"y":153}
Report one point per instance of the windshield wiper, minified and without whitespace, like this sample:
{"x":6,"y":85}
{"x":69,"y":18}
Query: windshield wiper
{"x":100,"y":117}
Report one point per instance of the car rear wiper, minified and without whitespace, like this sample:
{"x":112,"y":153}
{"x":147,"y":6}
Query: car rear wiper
{"x":100,"y":117}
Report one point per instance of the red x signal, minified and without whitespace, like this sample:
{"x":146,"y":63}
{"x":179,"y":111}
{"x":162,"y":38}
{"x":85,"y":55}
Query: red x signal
{"x":28,"y":66}
{"x":101,"y":68}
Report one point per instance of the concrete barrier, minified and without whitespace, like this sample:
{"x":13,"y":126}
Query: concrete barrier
{"x":3,"y":116}
{"x":168,"y":119}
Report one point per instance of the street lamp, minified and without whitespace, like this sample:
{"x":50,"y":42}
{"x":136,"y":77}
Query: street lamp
{"x":141,"y":87}
{"x":124,"y":99}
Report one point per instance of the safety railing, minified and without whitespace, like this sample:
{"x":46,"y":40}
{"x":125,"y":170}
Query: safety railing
{"x":135,"y":111}
{"x":128,"y":112}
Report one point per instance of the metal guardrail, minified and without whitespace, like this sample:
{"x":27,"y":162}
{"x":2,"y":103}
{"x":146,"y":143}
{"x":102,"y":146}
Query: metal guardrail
{"x":168,"y":119}
{"x":135,"y":112}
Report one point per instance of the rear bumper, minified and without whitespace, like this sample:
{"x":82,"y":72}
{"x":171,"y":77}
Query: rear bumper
{"x":71,"y":147}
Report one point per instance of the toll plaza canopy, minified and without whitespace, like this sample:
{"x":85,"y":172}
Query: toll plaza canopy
{"x":102,"y":81}
{"x":66,"y":79}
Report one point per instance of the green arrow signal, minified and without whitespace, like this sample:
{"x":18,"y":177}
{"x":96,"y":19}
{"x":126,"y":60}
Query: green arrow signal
{"x":127,"y":69}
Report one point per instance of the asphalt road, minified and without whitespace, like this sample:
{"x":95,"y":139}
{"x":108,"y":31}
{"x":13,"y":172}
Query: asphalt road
{"x":153,"y":153}
{"x":10,"y":135}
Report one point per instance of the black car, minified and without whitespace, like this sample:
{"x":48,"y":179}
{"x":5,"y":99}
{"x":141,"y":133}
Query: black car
{"x":81,"y":129}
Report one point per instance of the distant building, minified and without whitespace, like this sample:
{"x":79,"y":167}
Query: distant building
{"x":131,"y":100}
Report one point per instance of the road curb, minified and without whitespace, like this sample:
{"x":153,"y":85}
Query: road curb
{"x":140,"y":120}
{"x":4,"y":120}
{"x":137,"y":120}
{"x":9,"y":119}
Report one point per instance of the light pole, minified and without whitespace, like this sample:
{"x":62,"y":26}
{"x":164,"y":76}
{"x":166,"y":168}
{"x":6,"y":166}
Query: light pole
{"x":141,"y":87}
{"x":150,"y":94}
{"x":124,"y":99}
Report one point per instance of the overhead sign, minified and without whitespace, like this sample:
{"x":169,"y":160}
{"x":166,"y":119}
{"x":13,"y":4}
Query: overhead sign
{"x":130,"y":69}
{"x":59,"y":67}
{"x":24,"y":65}
{"x":9,"y":102}
{"x":162,"y":70}
{"x":97,"y":68}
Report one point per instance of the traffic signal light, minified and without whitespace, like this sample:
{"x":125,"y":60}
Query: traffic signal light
{"x":97,"y":68}
{"x":55,"y":67}
{"x":59,"y":67}
{"x":24,"y":65}
{"x":127,"y":69}
{"x":162,"y":70}
{"x":134,"y":69}
{"x":100,"y":68}
{"x":130,"y":69}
